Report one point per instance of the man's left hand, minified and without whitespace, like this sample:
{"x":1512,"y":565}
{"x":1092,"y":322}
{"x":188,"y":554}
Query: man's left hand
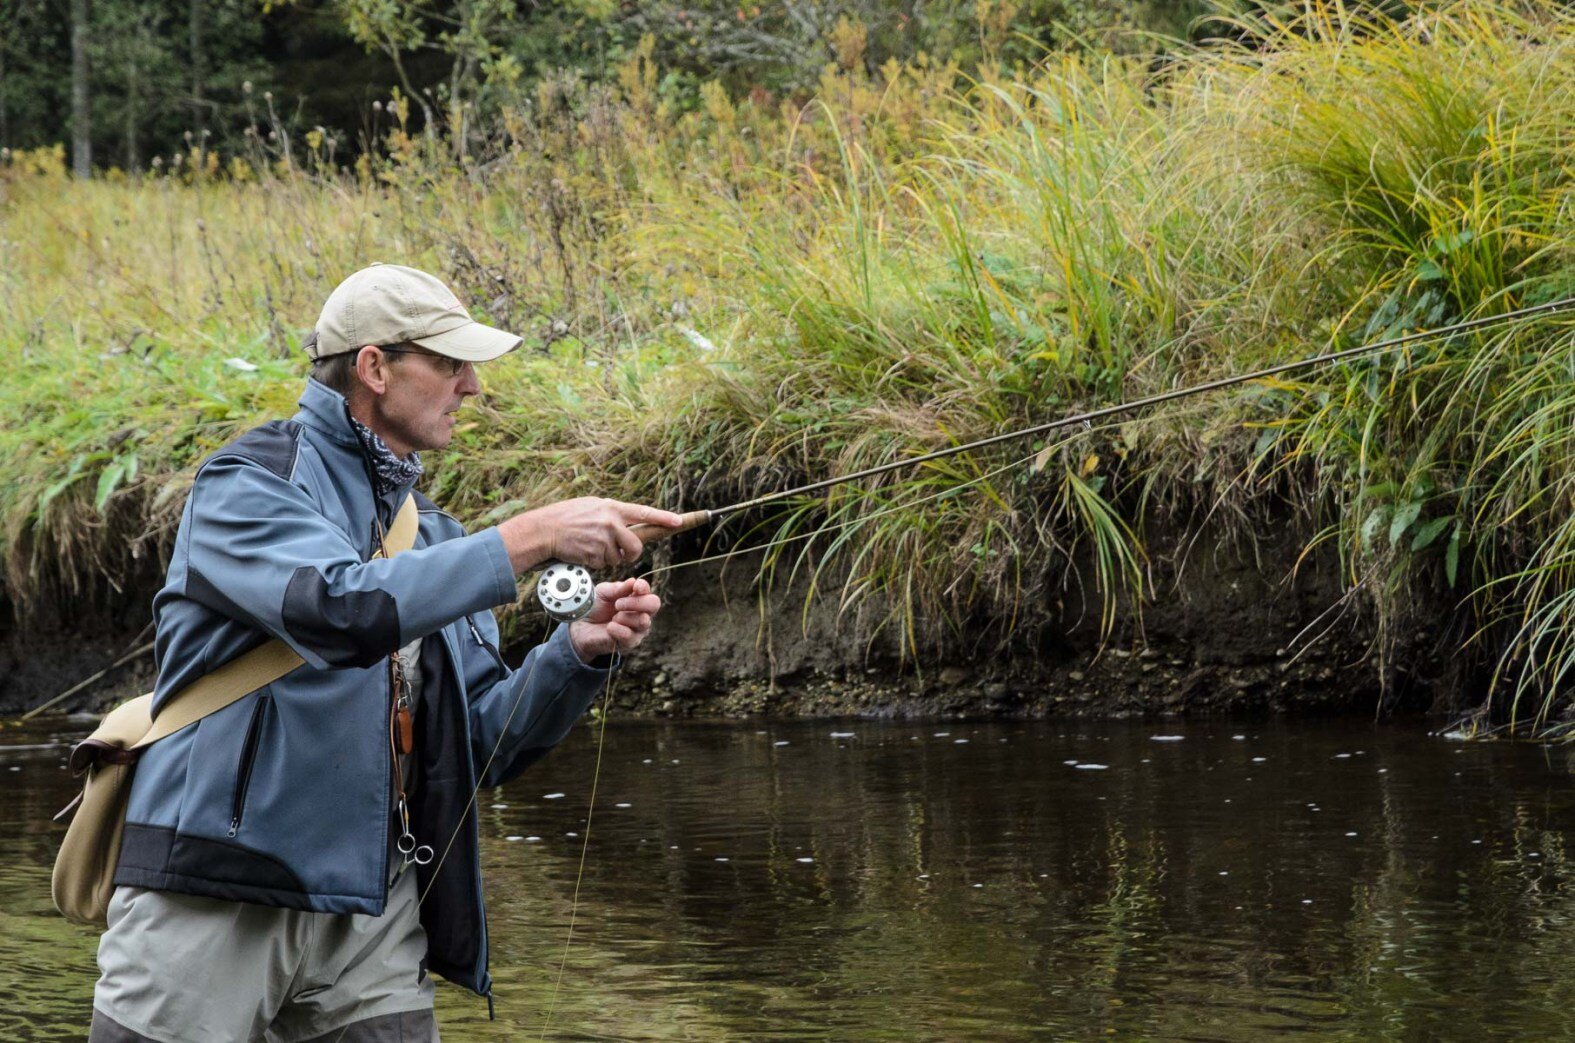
{"x":619,"y":620}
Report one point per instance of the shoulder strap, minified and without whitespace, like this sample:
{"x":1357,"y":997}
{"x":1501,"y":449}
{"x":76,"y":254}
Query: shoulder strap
{"x":261,"y":666}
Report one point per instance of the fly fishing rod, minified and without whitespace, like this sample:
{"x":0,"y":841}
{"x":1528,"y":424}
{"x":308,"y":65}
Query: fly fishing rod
{"x":567,"y":591}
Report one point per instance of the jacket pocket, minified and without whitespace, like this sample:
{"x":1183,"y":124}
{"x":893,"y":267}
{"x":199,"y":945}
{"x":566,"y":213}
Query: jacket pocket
{"x":243,"y":773}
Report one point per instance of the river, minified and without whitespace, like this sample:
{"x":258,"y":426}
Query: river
{"x":864,"y":880}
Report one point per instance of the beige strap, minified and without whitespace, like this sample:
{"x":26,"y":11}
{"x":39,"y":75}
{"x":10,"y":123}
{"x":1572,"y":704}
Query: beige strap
{"x":261,"y":666}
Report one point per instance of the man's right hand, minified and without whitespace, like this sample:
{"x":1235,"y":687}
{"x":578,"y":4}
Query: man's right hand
{"x":587,"y":531}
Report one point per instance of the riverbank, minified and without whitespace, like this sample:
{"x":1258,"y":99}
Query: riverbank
{"x":759,"y":292}
{"x":1221,"y":635}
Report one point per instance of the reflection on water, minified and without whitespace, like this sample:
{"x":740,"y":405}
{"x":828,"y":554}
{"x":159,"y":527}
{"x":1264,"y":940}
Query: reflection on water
{"x":952,"y":881}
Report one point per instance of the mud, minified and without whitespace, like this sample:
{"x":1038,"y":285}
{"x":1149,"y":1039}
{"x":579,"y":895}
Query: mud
{"x":1228,"y":629}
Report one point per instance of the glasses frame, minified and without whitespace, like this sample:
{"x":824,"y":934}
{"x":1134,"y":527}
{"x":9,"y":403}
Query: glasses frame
{"x":455,"y":366}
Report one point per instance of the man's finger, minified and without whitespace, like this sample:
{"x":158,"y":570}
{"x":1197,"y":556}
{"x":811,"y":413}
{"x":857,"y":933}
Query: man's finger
{"x":634,"y":513}
{"x":649,"y":604}
{"x":629,"y":543}
{"x":613,"y":590}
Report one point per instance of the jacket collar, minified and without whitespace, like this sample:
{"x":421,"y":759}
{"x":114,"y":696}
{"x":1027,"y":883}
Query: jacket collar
{"x":327,"y":412}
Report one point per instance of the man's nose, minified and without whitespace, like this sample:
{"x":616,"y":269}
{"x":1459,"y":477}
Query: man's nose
{"x":469,"y":380}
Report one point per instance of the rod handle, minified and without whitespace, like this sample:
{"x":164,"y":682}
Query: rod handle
{"x":654,"y":533}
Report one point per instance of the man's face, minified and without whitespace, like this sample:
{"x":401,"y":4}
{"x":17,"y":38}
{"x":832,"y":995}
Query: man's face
{"x":421,"y":394}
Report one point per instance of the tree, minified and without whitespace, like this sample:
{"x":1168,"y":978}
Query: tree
{"x":136,"y":69}
{"x":81,"y":98}
{"x":470,"y":34}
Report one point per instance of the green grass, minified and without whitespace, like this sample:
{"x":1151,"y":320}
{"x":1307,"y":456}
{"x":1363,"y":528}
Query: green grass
{"x":742,"y":298}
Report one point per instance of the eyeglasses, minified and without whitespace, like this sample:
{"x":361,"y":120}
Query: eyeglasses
{"x":453,"y":365}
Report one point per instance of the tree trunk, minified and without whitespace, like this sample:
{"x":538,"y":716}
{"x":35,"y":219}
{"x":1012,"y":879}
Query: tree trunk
{"x":5,"y":129}
{"x":133,"y":152}
{"x":81,"y":127}
{"x":194,"y":11}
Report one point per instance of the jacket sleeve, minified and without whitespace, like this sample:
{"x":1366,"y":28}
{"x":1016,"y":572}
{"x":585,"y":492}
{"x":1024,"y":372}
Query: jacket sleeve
{"x":516,"y":716}
{"x":259,"y":550}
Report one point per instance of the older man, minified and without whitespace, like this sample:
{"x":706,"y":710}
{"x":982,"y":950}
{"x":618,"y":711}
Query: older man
{"x":295,"y":864}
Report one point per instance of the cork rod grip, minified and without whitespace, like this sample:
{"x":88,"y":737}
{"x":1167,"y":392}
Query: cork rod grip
{"x":655,"y":533}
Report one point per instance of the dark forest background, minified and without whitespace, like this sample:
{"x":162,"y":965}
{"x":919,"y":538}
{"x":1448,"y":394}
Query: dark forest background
{"x":123,"y":81}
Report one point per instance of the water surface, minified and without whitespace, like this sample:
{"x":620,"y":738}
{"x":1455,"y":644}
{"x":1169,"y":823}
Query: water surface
{"x":954,"y":881}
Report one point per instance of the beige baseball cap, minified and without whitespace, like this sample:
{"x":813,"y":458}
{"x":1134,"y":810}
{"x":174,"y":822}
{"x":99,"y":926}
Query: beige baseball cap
{"x":387,"y":304}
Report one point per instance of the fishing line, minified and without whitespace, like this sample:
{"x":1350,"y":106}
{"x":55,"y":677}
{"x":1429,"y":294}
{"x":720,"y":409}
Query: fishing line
{"x":893,"y":509}
{"x":503,"y":733}
{"x":566,"y":591}
{"x":1158,"y":399}
{"x":585,"y":847}
{"x":1085,"y":418}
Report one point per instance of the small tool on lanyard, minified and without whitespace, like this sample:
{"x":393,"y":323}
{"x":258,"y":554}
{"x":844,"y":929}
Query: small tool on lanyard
{"x":402,"y":741}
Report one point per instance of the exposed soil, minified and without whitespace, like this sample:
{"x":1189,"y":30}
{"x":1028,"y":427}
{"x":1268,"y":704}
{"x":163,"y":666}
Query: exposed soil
{"x":1227,"y":630}
{"x":1220,"y":635}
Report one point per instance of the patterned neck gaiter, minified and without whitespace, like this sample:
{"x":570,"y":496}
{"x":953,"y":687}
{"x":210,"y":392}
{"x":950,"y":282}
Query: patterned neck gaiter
{"x":392,"y":471}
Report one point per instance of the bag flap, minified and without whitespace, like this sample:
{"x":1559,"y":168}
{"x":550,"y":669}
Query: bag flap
{"x":120,"y":729}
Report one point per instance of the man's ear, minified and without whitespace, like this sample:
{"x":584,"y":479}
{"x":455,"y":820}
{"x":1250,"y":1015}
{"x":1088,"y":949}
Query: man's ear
{"x":371,"y":366}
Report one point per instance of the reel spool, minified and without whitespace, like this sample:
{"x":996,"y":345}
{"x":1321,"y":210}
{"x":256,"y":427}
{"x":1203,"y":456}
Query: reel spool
{"x":566,"y":591}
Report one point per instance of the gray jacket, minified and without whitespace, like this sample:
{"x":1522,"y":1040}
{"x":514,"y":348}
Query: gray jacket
{"x":285,"y":797}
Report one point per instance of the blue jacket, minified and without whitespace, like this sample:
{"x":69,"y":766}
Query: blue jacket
{"x":285,"y":797}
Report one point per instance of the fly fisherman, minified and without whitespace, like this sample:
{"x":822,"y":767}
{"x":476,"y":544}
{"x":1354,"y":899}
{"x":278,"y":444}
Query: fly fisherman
{"x":263,"y":889}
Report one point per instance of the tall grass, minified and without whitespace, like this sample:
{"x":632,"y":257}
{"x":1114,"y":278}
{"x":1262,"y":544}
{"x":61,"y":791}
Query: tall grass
{"x":727,"y":301}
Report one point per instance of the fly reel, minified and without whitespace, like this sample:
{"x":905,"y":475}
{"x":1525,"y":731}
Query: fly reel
{"x":566,"y":591}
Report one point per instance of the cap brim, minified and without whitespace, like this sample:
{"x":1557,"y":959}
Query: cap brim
{"x":472,"y":342}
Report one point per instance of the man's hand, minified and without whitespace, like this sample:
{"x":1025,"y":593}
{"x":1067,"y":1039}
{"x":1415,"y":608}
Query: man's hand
{"x":619,"y":620}
{"x":587,"y":531}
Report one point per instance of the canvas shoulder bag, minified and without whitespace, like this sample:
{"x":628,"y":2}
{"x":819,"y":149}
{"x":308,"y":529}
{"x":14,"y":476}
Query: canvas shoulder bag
{"x":84,"y":872}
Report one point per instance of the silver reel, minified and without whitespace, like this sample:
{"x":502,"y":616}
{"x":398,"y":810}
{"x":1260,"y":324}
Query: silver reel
{"x":566,"y":591}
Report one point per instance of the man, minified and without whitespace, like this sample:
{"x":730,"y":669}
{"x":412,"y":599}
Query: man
{"x":295,"y":864}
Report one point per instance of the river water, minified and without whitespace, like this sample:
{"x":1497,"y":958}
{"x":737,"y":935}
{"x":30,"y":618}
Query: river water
{"x":869,"y":880}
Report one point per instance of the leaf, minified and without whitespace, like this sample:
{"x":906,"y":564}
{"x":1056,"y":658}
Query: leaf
{"x":1090,"y":465}
{"x":1429,"y":532}
{"x":1429,"y":271}
{"x":1373,"y":525}
{"x":1403,"y":518}
{"x":107,"y":480}
{"x":1380,"y":489}
{"x":72,"y":474}
{"x":1452,"y":557}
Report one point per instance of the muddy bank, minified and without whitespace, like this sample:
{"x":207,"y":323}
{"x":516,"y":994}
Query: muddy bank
{"x":1227,"y":630}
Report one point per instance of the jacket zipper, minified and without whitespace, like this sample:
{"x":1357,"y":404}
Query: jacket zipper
{"x":243,"y":777}
{"x":484,"y":643}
